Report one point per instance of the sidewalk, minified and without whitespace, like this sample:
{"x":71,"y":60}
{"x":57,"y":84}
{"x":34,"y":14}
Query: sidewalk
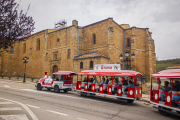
{"x":14,"y":79}
{"x":146,"y":97}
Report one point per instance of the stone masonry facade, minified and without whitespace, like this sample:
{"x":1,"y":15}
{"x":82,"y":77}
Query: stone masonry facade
{"x":75,"y":48}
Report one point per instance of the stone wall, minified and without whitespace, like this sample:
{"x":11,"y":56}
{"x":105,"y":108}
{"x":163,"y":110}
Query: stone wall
{"x":59,"y":44}
{"x":142,"y":45}
{"x":12,"y":65}
{"x":100,"y":29}
{"x":58,"y":47}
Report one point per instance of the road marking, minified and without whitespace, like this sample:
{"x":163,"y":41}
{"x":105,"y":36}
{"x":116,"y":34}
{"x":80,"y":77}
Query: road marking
{"x":14,"y":117}
{"x":6,"y":86}
{"x":32,"y":106}
{"x":25,"y":107}
{"x":44,"y":92}
{"x":16,"y":88}
{"x":6,"y":103}
{"x":81,"y":119}
{"x":10,"y":108}
{"x":57,"y":113}
{"x":3,"y":82}
{"x":61,"y":95}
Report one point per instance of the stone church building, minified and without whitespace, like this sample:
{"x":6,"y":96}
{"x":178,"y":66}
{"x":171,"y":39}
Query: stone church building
{"x":76,"y":48}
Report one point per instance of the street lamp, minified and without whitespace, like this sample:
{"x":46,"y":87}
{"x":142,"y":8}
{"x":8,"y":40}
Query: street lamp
{"x":25,"y":60}
{"x":127,"y":59}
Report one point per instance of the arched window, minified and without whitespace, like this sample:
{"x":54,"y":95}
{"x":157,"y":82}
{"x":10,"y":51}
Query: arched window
{"x":128,"y":42}
{"x":58,"y":43}
{"x":38,"y":44}
{"x":94,"y":38}
{"x":69,"y":53}
{"x":55,"y":68}
{"x":12,"y":50}
{"x":91,"y":64}
{"x":24,"y":48}
{"x":81,"y":65}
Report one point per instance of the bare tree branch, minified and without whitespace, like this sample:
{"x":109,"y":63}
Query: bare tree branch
{"x":13,"y":26}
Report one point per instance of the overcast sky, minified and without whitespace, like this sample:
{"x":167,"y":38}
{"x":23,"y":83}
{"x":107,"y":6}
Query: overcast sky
{"x":162,"y":17}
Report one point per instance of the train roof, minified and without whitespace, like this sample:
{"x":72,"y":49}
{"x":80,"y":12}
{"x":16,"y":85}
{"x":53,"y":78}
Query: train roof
{"x":110,"y":73}
{"x":64,"y":73}
{"x":167,"y":73}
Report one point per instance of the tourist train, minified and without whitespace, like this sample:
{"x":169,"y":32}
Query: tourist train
{"x":123,"y":85}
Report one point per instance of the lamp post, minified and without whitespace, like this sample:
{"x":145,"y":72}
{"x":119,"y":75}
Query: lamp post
{"x":25,"y":60}
{"x":127,"y":59}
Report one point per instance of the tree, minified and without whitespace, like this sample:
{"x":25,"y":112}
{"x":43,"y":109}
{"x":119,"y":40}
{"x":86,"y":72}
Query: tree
{"x":13,"y":25}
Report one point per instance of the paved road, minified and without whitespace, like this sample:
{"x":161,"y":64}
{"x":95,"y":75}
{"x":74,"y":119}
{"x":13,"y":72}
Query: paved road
{"x":46,"y":105}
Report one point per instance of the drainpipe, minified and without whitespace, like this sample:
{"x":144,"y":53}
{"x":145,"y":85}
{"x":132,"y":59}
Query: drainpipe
{"x":78,"y":41}
{"x":78,"y":38}
{"x":124,"y":47}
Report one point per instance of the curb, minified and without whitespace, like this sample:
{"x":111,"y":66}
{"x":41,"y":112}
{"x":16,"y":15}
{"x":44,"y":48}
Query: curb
{"x":19,"y":81}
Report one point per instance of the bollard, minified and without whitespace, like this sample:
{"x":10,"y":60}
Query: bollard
{"x":9,"y":78}
{"x":17,"y":78}
{"x":32,"y":79}
{"x":2,"y":76}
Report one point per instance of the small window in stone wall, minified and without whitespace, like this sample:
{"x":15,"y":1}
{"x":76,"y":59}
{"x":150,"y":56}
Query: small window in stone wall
{"x":128,"y":42}
{"x":69,"y":54}
{"x":81,"y":65}
{"x":58,"y":43}
{"x":91,"y":64}
{"x":38,"y":44}
{"x":12,"y":50}
{"x":94,"y":38}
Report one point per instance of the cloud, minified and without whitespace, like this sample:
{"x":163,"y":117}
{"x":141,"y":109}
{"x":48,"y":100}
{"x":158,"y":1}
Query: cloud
{"x":170,"y":12}
{"x":160,"y":16}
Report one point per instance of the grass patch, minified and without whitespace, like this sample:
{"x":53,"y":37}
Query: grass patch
{"x":163,"y":64}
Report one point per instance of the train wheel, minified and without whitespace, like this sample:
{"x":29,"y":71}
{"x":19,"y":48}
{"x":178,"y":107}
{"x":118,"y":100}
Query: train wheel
{"x":56,"y":89}
{"x":178,"y":112}
{"x":65,"y":90}
{"x":121,"y":101}
{"x":92,"y":95}
{"x":39,"y":87}
{"x":130,"y":101}
{"x":48,"y":89}
{"x":83,"y":94}
{"x":163,"y":112}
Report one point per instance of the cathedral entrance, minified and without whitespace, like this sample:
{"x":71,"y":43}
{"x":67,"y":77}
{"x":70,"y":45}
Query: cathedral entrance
{"x":55,"y":68}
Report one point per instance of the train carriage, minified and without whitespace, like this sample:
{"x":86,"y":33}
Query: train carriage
{"x":166,"y":97}
{"x":118,"y":88}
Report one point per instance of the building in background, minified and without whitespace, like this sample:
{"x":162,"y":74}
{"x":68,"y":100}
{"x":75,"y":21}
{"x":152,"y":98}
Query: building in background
{"x":174,"y":67}
{"x":76,"y":48}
